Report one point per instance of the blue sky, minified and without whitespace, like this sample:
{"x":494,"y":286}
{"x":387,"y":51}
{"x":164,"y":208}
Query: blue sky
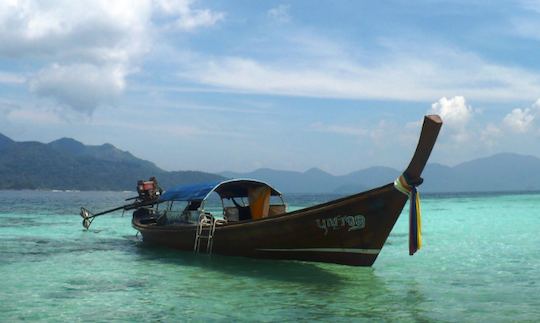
{"x":239,"y":85}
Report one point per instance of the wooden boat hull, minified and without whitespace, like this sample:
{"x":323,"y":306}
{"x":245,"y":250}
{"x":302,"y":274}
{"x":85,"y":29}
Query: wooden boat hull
{"x":350,"y":231}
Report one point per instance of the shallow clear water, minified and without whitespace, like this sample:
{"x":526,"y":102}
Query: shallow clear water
{"x":480,"y":262}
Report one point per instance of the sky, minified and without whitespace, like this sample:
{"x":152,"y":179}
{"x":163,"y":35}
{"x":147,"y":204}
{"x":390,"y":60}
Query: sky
{"x":240,"y":85}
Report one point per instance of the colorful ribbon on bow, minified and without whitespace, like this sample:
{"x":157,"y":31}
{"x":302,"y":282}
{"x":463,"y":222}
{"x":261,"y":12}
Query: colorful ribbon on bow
{"x":415,"y":217}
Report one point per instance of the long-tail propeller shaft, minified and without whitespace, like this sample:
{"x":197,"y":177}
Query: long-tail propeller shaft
{"x":88,"y":216}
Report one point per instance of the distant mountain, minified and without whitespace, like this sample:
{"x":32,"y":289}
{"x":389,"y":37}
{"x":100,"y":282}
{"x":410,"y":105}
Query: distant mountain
{"x":500,"y":172}
{"x":105,"y":152}
{"x":5,"y":141}
{"x":372,"y":177}
{"x":311,"y":181}
{"x":497,"y":173}
{"x":69,"y":164}
{"x":315,"y":180}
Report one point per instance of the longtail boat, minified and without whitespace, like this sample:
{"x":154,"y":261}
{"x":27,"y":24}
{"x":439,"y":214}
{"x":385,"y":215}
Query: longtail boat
{"x":254,"y":221}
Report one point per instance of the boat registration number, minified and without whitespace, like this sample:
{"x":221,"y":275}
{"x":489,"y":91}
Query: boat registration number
{"x":352,"y":222}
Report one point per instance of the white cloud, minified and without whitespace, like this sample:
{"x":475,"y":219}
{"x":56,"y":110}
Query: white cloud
{"x":280,"y":13}
{"x":11,"y":78}
{"x":454,"y":111}
{"x":384,"y":132}
{"x":490,"y":134}
{"x":64,"y":30}
{"x":81,"y":86}
{"x":456,"y":114}
{"x":187,"y":18}
{"x":170,"y":130}
{"x":399,"y":74}
{"x":519,"y":120}
{"x":34,"y":117}
{"x":95,"y":44}
{"x":6,"y":107}
{"x":17,"y":115}
{"x":493,"y":135}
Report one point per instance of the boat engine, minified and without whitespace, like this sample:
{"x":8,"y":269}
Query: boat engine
{"x":148,"y":190}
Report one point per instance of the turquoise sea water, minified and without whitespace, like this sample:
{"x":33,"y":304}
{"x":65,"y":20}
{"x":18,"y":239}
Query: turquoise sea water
{"x":480,"y":263}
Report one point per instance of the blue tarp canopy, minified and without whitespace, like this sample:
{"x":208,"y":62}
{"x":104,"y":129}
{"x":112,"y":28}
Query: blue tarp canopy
{"x":194,"y":192}
{"x":226,"y":189}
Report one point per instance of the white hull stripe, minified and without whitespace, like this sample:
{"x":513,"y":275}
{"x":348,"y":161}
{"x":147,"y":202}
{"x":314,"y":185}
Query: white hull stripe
{"x":347,"y":250}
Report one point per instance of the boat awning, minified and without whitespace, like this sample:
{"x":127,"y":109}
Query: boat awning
{"x":194,"y":192}
{"x":225,"y":189}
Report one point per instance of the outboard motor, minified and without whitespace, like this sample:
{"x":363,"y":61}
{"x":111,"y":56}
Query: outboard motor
{"x":148,"y":194}
{"x":148,"y":190}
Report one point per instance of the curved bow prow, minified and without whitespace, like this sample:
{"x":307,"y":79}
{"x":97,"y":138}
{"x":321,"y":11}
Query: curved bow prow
{"x":410,"y":179}
{"x":428,"y":137}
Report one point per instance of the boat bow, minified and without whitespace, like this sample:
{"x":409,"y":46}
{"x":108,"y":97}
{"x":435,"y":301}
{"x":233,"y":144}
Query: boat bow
{"x":411,"y":178}
{"x":426,"y":142}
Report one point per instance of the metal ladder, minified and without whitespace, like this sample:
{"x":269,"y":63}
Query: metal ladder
{"x":205,"y":230}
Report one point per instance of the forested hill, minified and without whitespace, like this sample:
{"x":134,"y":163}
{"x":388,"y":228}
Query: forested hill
{"x":68,"y":164}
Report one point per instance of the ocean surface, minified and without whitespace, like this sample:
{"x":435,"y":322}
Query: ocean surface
{"x":480,"y":263}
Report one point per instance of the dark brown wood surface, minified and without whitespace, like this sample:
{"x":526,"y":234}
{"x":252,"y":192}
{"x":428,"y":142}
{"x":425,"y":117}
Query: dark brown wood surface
{"x":428,"y":137}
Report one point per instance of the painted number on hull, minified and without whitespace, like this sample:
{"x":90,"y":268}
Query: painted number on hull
{"x":355,"y":222}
